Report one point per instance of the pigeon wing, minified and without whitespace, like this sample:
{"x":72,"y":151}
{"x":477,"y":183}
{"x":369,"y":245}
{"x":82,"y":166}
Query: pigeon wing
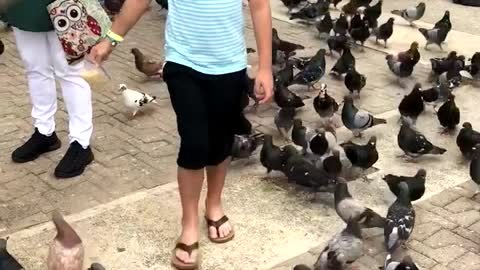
{"x":362,"y":119}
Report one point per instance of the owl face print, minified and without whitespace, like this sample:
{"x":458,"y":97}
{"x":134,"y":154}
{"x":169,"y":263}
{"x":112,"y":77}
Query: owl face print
{"x":69,"y":15}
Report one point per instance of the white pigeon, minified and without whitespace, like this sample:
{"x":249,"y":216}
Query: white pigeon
{"x":135,"y":100}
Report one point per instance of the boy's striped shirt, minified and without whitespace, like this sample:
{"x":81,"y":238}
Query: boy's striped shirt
{"x":206,"y":35}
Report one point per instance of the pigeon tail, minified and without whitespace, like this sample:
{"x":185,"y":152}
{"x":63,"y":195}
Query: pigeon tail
{"x":397,"y":12}
{"x":424,"y":32}
{"x":373,"y":220}
{"x":378,"y":121}
{"x":438,"y":150}
{"x":65,"y":233}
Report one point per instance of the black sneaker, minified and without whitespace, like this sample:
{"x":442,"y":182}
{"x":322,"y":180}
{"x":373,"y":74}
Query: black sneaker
{"x":74,"y":162}
{"x":35,"y":146}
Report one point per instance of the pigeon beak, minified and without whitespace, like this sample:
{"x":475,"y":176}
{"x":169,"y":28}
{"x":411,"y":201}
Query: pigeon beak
{"x":154,"y":101}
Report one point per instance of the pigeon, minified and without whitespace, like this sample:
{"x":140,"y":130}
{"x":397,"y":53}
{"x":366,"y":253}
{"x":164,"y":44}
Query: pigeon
{"x":404,"y":264}
{"x":411,"y":14}
{"x":361,"y":156}
{"x":244,"y":145}
{"x":284,"y":121}
{"x":412,"y":105}
{"x":135,"y":100}
{"x":332,"y":165}
{"x":343,"y":63}
{"x":66,"y":250}
{"x":302,"y":266}
{"x":356,"y":21}
{"x":299,"y":134}
{"x":360,"y":33}
{"x":355,"y":81}
{"x":313,"y":72}
{"x":449,"y":114}
{"x":337,"y":43}
{"x":372,"y":13}
{"x":96,"y":266}
{"x":7,"y":261}
{"x":439,"y":92}
{"x":410,"y":55}
{"x":324,"y":104}
{"x":284,"y":46}
{"x":351,"y":7}
{"x":475,"y":167}
{"x":414,"y":144}
{"x":431,"y":95}
{"x":467,"y":139}
{"x":341,"y":25}
{"x":325,"y":25}
{"x":400,"y":69}
{"x":311,"y":11}
{"x":250,"y":93}
{"x":444,"y":22}
{"x":441,"y":65}
{"x":2,"y":47}
{"x":452,"y":75}
{"x":285,"y":75}
{"x":271,"y":155}
{"x":285,"y":98}
{"x":416,"y":184}
{"x":147,"y":66}
{"x":322,"y":142}
{"x":303,"y":172}
{"x":474,"y":68}
{"x":348,"y":208}
{"x":400,"y":220}
{"x":434,"y":36}
{"x":358,"y":121}
{"x":343,"y":249}
{"x":384,"y":32}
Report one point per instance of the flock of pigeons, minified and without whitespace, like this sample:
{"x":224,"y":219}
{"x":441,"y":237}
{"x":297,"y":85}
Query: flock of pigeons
{"x":313,"y":158}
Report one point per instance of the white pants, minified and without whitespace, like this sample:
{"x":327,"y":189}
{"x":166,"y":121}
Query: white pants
{"x":45,"y":61}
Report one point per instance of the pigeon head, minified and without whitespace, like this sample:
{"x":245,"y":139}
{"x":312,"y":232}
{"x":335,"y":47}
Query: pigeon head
{"x":290,"y":151}
{"x":447,"y":15}
{"x":135,"y":51}
{"x":391,"y":20}
{"x":301,"y":267}
{"x":417,"y":87}
{"x":348,"y":99}
{"x":96,"y":266}
{"x":408,"y":263}
{"x":297,"y":123}
{"x":414,"y":46}
{"x":122,"y":87}
{"x":467,"y":125}
{"x":404,"y":194}
{"x":452,"y":55}
{"x":451,"y":97}
{"x":422,"y":173}
{"x":274,"y":32}
{"x":421,"y":5}
{"x":323,"y":90}
{"x":373,"y":141}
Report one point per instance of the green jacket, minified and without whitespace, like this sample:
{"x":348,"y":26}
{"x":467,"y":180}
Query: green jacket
{"x":30,"y":15}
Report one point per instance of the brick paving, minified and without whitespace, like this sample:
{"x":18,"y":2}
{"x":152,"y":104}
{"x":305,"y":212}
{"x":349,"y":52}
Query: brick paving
{"x":134,"y":155}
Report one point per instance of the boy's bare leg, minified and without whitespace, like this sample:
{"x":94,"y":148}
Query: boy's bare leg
{"x":189,"y":185}
{"x":213,"y":203}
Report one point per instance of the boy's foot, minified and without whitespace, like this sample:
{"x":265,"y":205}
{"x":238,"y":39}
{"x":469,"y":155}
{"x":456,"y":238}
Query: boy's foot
{"x":220,"y":229}
{"x":35,"y":146}
{"x":74,"y":162}
{"x":185,"y":254}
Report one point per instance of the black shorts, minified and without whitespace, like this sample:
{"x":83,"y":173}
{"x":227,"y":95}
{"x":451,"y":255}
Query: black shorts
{"x":208,"y":109}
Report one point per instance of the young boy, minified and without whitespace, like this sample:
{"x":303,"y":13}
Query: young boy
{"x":205,"y":74}
{"x":45,"y":61}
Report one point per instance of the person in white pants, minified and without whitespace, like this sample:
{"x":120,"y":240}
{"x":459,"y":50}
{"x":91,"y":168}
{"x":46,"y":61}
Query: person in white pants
{"x":45,"y":62}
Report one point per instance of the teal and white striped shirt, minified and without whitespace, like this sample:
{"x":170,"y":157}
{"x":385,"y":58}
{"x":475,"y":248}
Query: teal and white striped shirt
{"x":206,"y":35}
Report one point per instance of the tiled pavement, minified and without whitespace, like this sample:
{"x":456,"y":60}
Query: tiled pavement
{"x":133,"y":155}
{"x":446,"y":235}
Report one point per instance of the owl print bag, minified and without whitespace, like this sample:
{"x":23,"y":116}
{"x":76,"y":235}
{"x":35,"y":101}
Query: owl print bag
{"x":79,"y":25}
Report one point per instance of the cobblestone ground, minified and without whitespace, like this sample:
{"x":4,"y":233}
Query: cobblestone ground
{"x":139,"y":154}
{"x":446,"y":235}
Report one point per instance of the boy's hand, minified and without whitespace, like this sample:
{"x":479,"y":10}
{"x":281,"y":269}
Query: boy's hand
{"x":264,"y":85}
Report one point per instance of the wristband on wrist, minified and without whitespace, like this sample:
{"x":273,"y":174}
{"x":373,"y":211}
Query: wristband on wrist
{"x":113,"y":38}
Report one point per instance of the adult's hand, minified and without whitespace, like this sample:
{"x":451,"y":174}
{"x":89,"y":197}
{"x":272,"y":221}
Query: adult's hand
{"x":101,"y":52}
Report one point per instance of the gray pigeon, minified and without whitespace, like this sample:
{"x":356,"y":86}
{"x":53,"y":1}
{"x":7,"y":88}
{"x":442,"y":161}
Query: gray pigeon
{"x":348,"y":208}
{"x":343,"y":249}
{"x":404,"y":264}
{"x":411,"y":14}
{"x":434,"y":36}
{"x":284,"y":121}
{"x":357,"y":121}
{"x":414,"y":144}
{"x":244,"y":145}
{"x":400,"y":220}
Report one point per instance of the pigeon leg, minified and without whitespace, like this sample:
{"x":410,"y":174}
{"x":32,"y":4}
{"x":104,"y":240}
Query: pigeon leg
{"x":426,"y":45}
{"x":440,"y":45}
{"x":134,"y":113}
{"x":385,"y":44}
{"x":376,"y":40}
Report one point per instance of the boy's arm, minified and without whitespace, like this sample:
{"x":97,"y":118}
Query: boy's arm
{"x":129,"y":15}
{"x":262,"y":25}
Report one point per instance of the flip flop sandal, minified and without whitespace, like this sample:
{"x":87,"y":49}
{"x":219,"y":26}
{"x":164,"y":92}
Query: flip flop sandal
{"x":217,"y":224}
{"x":181,"y":265}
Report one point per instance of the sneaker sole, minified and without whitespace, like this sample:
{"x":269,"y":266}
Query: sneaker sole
{"x":61,"y":175}
{"x":53,"y":147}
